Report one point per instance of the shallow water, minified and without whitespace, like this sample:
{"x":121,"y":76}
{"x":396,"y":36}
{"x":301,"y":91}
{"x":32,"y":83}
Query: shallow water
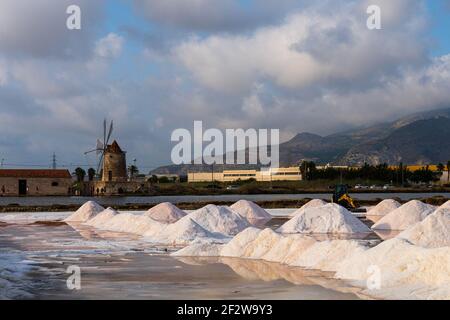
{"x":47,"y":201}
{"x":118,"y":266}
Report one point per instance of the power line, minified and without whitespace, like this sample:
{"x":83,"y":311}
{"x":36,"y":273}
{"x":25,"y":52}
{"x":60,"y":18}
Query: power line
{"x":54,"y":161}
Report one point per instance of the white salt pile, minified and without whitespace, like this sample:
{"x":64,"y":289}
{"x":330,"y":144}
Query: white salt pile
{"x":315,"y":203}
{"x":130,"y":223}
{"x":251,"y":211}
{"x":293,"y":250}
{"x":406,"y":271}
{"x":102,"y":217}
{"x":445,"y":205}
{"x":219,"y":219}
{"x":384,"y":207}
{"x":86,"y":212}
{"x":432,"y":232}
{"x":330,"y":218}
{"x":165,"y":213}
{"x":405,"y":216}
{"x":184,"y":232}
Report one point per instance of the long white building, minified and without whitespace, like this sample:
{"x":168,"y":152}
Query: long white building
{"x":273,"y":174}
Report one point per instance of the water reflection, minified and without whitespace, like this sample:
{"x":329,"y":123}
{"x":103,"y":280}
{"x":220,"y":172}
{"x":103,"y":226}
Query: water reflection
{"x":255,"y":270}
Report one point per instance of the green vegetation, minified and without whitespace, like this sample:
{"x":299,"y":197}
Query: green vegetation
{"x":381,"y":174}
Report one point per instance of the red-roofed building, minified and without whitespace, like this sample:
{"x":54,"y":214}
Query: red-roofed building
{"x":30,"y":182}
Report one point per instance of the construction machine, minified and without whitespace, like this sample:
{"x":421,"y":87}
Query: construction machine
{"x":341,"y":197}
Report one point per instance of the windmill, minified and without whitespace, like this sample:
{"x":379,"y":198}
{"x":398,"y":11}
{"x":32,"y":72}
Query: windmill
{"x":102,"y":146}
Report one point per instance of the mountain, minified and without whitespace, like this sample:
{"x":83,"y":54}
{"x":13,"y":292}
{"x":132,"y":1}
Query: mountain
{"x":419,"y":138}
{"x":420,"y":142}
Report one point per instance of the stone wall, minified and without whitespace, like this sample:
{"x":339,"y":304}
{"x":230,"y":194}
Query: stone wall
{"x":105,"y":188}
{"x":36,"y":186}
{"x":116,"y":164}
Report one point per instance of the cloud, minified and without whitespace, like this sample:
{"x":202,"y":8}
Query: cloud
{"x":38,"y":28}
{"x":306,"y":66}
{"x":308,"y":48}
{"x":110,"y":46}
{"x":215,"y":16}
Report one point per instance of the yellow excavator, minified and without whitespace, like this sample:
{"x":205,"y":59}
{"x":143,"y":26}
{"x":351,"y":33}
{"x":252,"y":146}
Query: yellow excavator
{"x":341,"y":197}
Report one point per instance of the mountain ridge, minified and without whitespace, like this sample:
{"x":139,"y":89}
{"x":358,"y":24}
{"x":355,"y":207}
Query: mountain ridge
{"x":387,"y":142}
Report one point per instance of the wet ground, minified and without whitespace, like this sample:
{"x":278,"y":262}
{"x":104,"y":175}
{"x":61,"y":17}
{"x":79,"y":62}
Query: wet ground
{"x":118,"y":266}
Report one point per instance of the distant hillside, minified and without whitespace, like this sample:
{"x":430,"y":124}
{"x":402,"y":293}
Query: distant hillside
{"x":420,"y":142}
{"x":419,"y":138}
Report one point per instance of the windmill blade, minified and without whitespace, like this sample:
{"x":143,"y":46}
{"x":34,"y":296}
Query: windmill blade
{"x":104,"y":132}
{"x":100,"y":147}
{"x":111,"y":127}
{"x":100,"y":163}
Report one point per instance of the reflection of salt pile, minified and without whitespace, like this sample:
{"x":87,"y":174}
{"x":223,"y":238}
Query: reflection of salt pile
{"x":220,"y":220}
{"x":102,"y":217}
{"x":251,"y":211}
{"x":165,"y":213}
{"x":315,"y":203}
{"x":383,"y":208}
{"x":330,"y":218}
{"x":432,"y":232}
{"x":86,"y":212}
{"x":405,"y":216}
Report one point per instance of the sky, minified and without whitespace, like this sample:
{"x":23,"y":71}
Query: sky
{"x":154,"y":66}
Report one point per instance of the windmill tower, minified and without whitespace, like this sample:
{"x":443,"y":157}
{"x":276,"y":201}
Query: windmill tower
{"x":112,"y":166}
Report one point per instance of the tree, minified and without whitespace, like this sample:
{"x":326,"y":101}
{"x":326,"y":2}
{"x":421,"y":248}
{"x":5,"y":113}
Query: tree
{"x":91,"y":174}
{"x":448,"y":171}
{"x":440,"y":167}
{"x":153,"y":179}
{"x":307,"y":169}
{"x":80,"y":174}
{"x":133,"y":170}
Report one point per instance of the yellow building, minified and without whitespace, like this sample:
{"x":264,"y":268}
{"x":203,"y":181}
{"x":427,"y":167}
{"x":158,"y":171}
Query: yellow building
{"x":273,"y":174}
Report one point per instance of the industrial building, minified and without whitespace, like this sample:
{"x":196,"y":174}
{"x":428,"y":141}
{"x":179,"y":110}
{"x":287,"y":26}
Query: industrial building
{"x":29,"y":182}
{"x":272,"y":174}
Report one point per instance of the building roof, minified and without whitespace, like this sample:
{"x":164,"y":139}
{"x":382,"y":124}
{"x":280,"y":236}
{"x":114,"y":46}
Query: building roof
{"x":34,"y":173}
{"x":114,"y":148}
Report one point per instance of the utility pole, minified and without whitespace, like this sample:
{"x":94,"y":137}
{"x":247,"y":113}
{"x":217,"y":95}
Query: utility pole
{"x":1,"y":163}
{"x":54,"y":161}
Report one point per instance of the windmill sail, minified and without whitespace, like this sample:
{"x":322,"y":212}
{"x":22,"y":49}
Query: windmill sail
{"x":101,"y":146}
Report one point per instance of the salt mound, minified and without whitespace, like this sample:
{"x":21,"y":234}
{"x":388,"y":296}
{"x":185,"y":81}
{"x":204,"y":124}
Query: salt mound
{"x":130,"y":223}
{"x":315,"y":203}
{"x":293,"y":250}
{"x":251,"y":211}
{"x":87,"y":211}
{"x":405,"y":216}
{"x":102,"y":217}
{"x":220,"y":220}
{"x":432,"y":232}
{"x":445,"y":205}
{"x":202,"y":249}
{"x":165,"y":213}
{"x":182,"y":232}
{"x":407,"y":269}
{"x":326,"y":255}
{"x":330,"y":218}
{"x":384,"y":207}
